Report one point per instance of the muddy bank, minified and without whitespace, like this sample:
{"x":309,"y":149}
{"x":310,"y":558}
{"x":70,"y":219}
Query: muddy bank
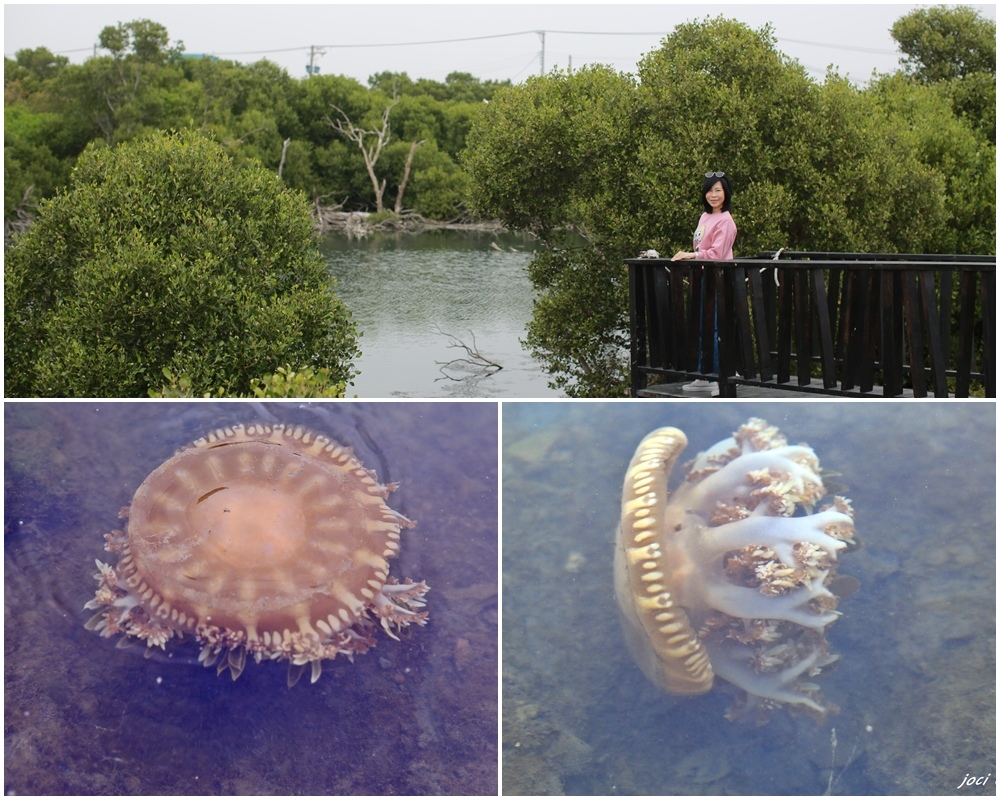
{"x":361,"y":223}
{"x":331,"y":220}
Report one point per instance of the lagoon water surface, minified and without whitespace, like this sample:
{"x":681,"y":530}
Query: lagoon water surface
{"x":418,"y":298}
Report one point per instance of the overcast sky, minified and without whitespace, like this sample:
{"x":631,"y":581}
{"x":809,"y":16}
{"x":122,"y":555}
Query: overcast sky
{"x":359,"y":40}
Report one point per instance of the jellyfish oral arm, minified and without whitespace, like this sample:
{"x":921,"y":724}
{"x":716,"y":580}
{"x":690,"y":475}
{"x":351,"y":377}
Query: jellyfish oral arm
{"x":781,"y":534}
{"x":733,"y":480}
{"x":733,"y":664}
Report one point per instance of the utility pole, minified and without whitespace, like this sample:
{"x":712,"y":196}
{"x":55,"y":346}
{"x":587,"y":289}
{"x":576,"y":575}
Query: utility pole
{"x":541,"y":35}
{"x":314,"y":51}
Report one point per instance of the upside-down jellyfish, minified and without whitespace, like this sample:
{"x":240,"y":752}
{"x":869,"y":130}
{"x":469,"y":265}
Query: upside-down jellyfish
{"x":266,"y":540}
{"x":731,"y":575}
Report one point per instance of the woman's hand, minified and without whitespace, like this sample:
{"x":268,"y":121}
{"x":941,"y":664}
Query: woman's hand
{"x":682,"y":256}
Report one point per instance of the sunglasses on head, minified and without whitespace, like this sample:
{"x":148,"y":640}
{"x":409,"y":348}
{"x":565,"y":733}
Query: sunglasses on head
{"x":715,"y":174}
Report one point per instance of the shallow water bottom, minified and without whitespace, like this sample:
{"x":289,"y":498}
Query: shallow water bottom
{"x":416,"y":716}
{"x":915,"y":684}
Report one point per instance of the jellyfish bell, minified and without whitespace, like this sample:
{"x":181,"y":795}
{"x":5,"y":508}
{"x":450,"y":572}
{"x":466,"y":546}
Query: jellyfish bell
{"x":731,"y":576}
{"x":266,"y":540}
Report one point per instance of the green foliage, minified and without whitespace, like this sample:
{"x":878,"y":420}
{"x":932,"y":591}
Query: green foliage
{"x":569,"y":164}
{"x":305,"y":382}
{"x":577,"y":327}
{"x":942,"y":43}
{"x":135,"y":89}
{"x":573,"y":133}
{"x":31,"y":169}
{"x":286,"y":382}
{"x":954,"y":48}
{"x":953,"y":156}
{"x":888,"y":168}
{"x":438,"y":188}
{"x":38,"y":64}
{"x":458,"y":87}
{"x":164,"y":254}
{"x":142,"y":39}
{"x":377,"y":217}
{"x":142,"y":82}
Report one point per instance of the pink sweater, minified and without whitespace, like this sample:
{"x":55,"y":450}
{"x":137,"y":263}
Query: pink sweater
{"x":715,"y":236}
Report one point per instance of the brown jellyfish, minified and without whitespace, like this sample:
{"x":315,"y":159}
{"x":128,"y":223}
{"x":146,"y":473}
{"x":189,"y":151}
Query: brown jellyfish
{"x":731,"y":575}
{"x":267,"y":540}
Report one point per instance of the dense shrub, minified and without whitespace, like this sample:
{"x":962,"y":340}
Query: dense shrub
{"x":892,"y":167}
{"x":286,"y":382}
{"x":164,"y":254}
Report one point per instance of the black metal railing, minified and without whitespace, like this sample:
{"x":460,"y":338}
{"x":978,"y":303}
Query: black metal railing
{"x":840,"y":324}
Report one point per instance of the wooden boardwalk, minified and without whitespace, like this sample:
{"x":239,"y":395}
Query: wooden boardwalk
{"x":808,"y":324}
{"x":675,"y":390}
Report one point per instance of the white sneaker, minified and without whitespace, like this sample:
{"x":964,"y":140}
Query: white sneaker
{"x":698,"y":386}
{"x":715,"y":389}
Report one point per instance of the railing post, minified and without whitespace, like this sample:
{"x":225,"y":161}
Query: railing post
{"x":637,"y":328}
{"x":989,"y":306}
{"x":727,"y":326}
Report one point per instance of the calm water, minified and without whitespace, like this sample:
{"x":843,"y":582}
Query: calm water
{"x":410,"y":293}
{"x":417,"y":716}
{"x":916,"y":682}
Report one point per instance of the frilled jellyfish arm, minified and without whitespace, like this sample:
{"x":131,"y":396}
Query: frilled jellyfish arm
{"x":780,"y":534}
{"x":398,"y":604}
{"x":734,"y":481}
{"x":749,"y":603}
{"x":733,"y":664}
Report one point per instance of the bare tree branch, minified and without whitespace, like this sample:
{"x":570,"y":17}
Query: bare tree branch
{"x":258,"y":129}
{"x":480,"y":364}
{"x":369,"y":142}
{"x":284,"y":150}
{"x":406,"y":175}
{"x":24,"y":217}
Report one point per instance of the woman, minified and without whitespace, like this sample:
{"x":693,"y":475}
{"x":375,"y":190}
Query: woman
{"x":713,"y":239}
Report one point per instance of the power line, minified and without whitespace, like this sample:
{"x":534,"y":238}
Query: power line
{"x":875,"y":50}
{"x":265,"y":52}
{"x":77,"y":50}
{"x":382,"y":44}
{"x":853,"y":48}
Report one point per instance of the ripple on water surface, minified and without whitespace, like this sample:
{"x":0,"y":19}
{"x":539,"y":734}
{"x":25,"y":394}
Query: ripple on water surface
{"x":418,"y":298}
